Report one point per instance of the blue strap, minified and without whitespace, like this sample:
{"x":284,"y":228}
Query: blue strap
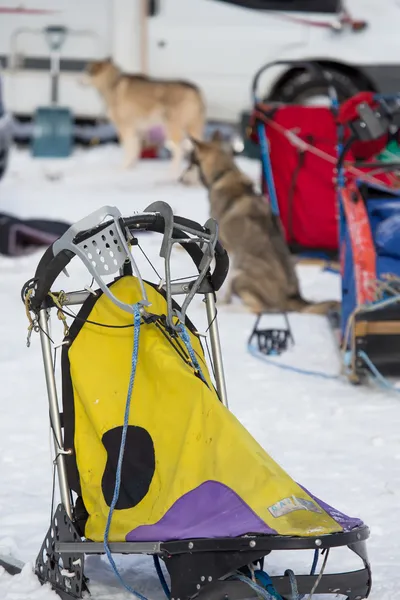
{"x":161,"y":577}
{"x":135,"y":352}
{"x":315,"y":562}
{"x":267,"y":168}
{"x":183,"y":334}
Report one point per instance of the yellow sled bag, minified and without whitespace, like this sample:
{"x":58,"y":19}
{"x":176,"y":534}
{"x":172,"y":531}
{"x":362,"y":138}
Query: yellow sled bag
{"x":149,"y":458}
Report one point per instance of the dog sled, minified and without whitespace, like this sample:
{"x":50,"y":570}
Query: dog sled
{"x":369,"y":240}
{"x":299,"y":153}
{"x":149,"y":458}
{"x":336,"y":198}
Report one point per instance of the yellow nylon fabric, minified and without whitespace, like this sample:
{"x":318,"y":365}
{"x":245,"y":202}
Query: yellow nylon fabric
{"x":196,"y":438}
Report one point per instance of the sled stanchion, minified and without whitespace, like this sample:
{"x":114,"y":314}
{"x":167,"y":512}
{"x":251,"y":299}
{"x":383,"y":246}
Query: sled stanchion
{"x":216,"y":348}
{"x":54,"y":410}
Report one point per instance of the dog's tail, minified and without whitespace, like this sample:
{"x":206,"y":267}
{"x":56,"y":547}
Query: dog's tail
{"x":317,"y":308}
{"x":195,"y":127}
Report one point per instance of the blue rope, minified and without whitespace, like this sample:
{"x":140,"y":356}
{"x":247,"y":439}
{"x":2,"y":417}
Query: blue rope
{"x":257,"y":588}
{"x":377,"y":375}
{"x":383,"y":302}
{"x":186,"y":340}
{"x":254,"y":352}
{"x":266,"y":582}
{"x":161,"y":577}
{"x":293,"y":584}
{"x":122,"y":450}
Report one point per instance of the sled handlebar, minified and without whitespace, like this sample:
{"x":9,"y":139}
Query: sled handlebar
{"x":53,"y":261}
{"x":312,"y":67}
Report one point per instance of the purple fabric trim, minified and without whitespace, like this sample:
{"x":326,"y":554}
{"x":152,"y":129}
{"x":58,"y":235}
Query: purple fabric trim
{"x":343,"y":520}
{"x":214,"y":510}
{"x":211,"y":510}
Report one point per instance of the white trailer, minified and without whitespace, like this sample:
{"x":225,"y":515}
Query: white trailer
{"x":218,"y":44}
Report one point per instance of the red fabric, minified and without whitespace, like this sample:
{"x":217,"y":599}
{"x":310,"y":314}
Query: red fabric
{"x":312,"y":219}
{"x":367,"y":150}
{"x":364,"y":255}
{"x":348,"y":110}
{"x":314,"y":222}
{"x":149,"y":152}
{"x":348,"y":113}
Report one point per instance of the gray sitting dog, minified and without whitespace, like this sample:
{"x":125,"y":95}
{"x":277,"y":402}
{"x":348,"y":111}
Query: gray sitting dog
{"x":263,"y":273}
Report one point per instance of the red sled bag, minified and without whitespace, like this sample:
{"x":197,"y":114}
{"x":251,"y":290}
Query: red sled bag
{"x":304,"y":181}
{"x":303,"y":155}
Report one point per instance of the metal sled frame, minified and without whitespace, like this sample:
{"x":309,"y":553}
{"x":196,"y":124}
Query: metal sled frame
{"x":197,"y":567}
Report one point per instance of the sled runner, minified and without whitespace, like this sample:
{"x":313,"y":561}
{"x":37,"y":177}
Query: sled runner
{"x":149,"y":458}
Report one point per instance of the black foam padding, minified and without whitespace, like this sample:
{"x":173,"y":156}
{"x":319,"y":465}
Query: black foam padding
{"x":138,"y":466}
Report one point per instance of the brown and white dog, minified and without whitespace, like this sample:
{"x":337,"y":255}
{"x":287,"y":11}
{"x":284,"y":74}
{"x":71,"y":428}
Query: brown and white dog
{"x":136,"y":103}
{"x":263,"y":273}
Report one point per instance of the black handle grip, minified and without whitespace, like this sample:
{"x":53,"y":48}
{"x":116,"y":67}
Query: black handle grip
{"x":50,"y":266}
{"x":47,"y":271}
{"x":188,"y":223}
{"x":221,"y":267}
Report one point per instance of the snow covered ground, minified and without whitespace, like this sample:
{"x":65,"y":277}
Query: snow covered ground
{"x":340,"y":442}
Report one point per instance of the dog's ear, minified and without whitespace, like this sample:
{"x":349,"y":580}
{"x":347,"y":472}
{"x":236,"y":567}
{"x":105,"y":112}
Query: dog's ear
{"x":197,"y":145}
{"x":94,"y":67}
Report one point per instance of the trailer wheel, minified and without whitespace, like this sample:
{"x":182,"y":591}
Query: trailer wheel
{"x":309,"y":89}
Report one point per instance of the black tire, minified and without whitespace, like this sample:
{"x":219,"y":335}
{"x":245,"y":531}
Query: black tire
{"x":302,"y":87}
